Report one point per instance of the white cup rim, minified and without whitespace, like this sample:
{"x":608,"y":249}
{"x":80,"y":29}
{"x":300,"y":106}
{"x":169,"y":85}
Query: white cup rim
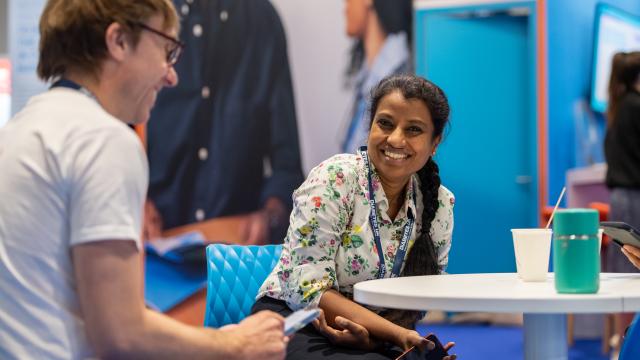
{"x":531,"y":230}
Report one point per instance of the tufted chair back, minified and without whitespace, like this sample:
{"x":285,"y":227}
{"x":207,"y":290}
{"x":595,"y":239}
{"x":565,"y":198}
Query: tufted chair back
{"x":234,"y":275}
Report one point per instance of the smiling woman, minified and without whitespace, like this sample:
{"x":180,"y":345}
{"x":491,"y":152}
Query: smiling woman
{"x":379,"y":213}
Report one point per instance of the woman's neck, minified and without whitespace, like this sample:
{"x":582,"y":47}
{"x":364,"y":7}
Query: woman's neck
{"x":374,"y":38}
{"x":395,"y":193}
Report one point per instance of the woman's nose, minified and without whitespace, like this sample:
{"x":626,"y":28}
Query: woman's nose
{"x":396,"y":138}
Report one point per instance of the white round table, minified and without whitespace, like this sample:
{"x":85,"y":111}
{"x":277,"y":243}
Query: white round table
{"x":545,"y":328}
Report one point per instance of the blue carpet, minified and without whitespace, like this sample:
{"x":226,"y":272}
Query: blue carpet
{"x":479,"y":341}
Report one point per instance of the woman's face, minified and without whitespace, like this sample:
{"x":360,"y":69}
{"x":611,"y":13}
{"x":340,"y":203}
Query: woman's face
{"x":401,"y":138}
{"x":356,"y":12}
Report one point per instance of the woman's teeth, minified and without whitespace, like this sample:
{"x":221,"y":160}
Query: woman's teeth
{"x":395,"y":156}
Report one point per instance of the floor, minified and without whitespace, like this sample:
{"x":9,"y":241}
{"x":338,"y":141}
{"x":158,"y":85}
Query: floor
{"x":482,"y":341}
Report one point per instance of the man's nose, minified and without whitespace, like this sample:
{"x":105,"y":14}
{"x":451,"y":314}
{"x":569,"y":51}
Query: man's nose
{"x":171,"y":79}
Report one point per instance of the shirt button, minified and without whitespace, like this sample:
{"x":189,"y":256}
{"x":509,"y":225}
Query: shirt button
{"x":199,"y":215}
{"x":224,"y":15}
{"x":197,"y":30}
{"x":205,"y":92}
{"x":203,"y":154}
{"x":184,"y":9}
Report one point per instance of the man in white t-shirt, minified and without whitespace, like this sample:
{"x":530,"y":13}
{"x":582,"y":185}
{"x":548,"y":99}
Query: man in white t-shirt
{"x":73,"y":181}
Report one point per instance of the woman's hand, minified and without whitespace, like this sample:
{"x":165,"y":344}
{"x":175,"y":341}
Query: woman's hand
{"x":408,"y":338}
{"x":447,"y":348}
{"x":351,"y":335}
{"x":428,"y":345}
{"x":633,"y":254}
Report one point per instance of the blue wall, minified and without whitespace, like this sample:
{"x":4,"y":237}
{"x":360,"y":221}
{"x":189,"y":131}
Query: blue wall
{"x":570,"y":48}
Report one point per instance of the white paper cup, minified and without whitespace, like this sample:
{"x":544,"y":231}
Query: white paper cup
{"x":532,"y":248}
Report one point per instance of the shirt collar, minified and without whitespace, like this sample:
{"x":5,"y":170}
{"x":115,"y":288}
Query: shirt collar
{"x":392,"y":56}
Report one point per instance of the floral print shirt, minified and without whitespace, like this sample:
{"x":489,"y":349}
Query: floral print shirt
{"x":330,"y":243}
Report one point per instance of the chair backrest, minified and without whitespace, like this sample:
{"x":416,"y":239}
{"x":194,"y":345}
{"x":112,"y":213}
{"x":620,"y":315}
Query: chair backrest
{"x":631,"y":346}
{"x":234,"y":275}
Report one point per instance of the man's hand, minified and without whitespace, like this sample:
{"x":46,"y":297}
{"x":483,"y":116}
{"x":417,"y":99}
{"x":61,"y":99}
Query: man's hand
{"x":351,"y":335}
{"x":260,"y":222}
{"x":152,"y":225}
{"x":260,"y":336}
{"x":633,"y":254}
{"x":256,"y":231}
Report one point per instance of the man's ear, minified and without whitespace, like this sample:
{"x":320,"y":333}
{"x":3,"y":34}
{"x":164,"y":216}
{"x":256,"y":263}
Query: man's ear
{"x":117,"y":42}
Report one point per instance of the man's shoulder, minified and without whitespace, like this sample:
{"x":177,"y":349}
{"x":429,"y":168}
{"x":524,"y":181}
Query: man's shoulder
{"x":262,"y":16}
{"x":63,"y":117}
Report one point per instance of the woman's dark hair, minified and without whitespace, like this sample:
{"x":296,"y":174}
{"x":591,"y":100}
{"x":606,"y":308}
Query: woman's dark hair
{"x":625,"y":70}
{"x":395,"y":16}
{"x":422,"y":258}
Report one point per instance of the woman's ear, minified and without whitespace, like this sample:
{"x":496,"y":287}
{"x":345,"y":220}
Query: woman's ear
{"x":436,"y":143}
{"x":116,"y":42}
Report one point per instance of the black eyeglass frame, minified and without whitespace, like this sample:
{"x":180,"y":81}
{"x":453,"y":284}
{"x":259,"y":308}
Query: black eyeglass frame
{"x":172,"y":55}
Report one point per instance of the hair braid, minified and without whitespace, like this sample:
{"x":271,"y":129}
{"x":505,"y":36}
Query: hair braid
{"x":422,"y":259}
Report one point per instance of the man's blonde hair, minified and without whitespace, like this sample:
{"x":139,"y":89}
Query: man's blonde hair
{"x":72,"y":32}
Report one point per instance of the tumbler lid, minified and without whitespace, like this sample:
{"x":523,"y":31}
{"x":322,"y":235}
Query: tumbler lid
{"x":575,"y":222}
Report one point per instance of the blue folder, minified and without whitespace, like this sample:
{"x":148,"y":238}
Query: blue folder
{"x":172,"y":277}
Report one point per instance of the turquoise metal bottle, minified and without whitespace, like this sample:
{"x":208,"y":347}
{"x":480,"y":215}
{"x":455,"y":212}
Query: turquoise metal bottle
{"x":576,"y":251}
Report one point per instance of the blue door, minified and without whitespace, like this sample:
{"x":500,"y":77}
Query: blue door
{"x":484,"y":63}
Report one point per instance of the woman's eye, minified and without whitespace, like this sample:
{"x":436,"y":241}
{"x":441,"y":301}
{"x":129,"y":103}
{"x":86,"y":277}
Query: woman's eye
{"x":415,"y":129}
{"x":385,"y":123}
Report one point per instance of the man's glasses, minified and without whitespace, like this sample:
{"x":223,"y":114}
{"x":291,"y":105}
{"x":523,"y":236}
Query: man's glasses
{"x":173,"y":52}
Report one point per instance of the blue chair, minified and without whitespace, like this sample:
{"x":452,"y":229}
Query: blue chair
{"x":234,"y":275}
{"x":631,"y":346}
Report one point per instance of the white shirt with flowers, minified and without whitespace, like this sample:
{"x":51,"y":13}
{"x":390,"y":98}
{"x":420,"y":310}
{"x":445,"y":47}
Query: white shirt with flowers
{"x":330,"y":244}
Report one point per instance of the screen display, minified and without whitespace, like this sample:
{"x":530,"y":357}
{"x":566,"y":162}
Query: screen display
{"x":615,"y":31}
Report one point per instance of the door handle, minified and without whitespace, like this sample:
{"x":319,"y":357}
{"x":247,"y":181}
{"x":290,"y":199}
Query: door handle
{"x":523,"y":179}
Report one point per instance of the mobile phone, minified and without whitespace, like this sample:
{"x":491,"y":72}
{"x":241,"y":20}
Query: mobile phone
{"x":621,"y":233}
{"x":299,"y":319}
{"x":414,"y":353}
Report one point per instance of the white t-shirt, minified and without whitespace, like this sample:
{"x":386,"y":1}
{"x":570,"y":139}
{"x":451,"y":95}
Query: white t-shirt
{"x":70,"y":173}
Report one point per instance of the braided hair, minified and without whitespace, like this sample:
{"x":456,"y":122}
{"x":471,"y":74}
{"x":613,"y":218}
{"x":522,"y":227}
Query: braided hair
{"x":422,"y":258}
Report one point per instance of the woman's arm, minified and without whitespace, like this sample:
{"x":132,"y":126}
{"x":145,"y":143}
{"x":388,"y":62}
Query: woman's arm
{"x":335,"y":304}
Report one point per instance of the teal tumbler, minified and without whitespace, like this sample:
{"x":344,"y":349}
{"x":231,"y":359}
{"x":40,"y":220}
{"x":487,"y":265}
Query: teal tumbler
{"x":576,"y":251}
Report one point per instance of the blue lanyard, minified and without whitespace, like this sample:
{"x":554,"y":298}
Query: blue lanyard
{"x":66,"y":83}
{"x":373,"y":220}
